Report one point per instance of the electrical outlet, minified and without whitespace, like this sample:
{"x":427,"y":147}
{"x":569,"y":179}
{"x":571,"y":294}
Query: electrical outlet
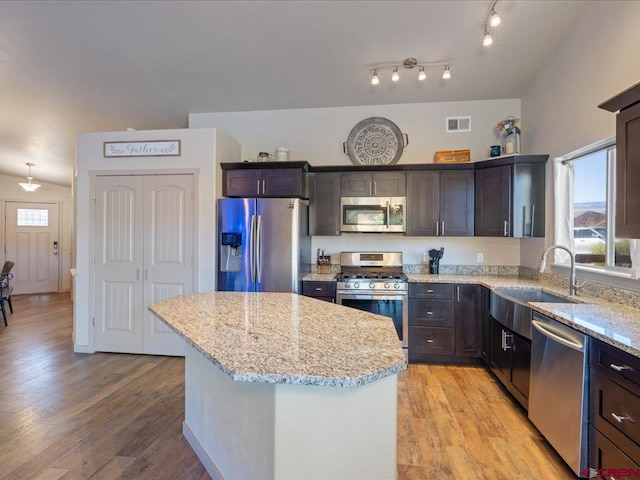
{"x":480,"y":257}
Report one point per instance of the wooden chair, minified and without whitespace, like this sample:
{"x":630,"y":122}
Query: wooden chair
{"x":6,"y":289}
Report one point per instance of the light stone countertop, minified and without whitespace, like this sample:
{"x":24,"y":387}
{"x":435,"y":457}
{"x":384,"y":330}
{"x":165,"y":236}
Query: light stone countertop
{"x":616,"y":324}
{"x":285,"y":338}
{"x":319,"y":277}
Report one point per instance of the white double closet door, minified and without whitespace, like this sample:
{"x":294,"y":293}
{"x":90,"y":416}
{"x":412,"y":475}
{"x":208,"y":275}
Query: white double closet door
{"x":144,"y":253}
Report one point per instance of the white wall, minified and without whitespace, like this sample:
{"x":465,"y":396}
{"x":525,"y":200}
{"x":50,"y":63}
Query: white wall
{"x":10,"y":191}
{"x":200,"y":148}
{"x":598,"y":60}
{"x":316,"y":135}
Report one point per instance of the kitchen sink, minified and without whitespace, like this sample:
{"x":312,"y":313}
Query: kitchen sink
{"x":509,"y":306}
{"x":525,"y":295}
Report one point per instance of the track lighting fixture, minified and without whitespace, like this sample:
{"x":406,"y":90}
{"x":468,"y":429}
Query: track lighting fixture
{"x":409,"y":63}
{"x":30,"y":187}
{"x":493,"y":20}
{"x":374,"y":79}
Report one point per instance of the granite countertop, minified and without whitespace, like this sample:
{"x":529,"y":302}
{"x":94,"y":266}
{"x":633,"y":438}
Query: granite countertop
{"x":616,"y":324}
{"x":285,"y":338}
{"x":319,"y":277}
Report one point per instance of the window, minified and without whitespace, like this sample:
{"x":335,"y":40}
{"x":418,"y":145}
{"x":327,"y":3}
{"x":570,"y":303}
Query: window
{"x":588,"y":208}
{"x":33,"y":217}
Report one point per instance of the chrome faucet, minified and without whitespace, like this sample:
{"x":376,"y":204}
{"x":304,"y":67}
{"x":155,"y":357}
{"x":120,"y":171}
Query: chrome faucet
{"x":573,"y":285}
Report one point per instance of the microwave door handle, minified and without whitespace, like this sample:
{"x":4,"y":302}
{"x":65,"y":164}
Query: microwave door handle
{"x":388,"y":212}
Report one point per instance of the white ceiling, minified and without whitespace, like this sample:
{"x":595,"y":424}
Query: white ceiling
{"x":85,"y":66}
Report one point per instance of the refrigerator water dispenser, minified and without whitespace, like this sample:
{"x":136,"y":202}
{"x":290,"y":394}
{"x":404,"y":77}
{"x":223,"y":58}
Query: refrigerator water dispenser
{"x":231,"y":252}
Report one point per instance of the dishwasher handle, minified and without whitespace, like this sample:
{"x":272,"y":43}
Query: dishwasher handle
{"x":539,"y":326}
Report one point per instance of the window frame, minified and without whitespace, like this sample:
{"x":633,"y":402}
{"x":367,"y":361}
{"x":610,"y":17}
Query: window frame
{"x":621,"y":277}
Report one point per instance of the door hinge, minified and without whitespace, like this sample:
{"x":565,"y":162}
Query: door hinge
{"x":193,"y":261}
{"x":93,"y":321}
{"x":94,"y":259}
{"x":193,"y":194}
{"x":95,"y":195}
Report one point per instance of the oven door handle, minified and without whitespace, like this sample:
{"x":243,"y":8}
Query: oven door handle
{"x":369,"y":296}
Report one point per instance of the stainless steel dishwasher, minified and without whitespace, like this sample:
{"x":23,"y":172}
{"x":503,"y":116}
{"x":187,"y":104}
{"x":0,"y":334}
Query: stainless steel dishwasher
{"x":558,"y":388}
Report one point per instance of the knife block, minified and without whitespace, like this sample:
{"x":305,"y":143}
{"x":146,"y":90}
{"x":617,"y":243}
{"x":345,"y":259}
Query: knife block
{"x":324,"y":264}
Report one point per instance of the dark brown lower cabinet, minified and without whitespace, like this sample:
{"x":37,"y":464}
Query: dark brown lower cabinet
{"x":444,"y":322}
{"x":509,"y":358}
{"x":614,"y":412}
{"x":321,"y":290}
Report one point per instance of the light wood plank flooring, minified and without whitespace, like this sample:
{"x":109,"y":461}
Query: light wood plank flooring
{"x":75,"y":416}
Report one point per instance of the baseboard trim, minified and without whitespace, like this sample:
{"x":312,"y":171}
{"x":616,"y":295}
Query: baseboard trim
{"x":209,"y":465}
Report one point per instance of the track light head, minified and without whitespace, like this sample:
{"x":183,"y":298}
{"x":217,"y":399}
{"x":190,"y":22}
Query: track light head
{"x":487,"y":40}
{"x":447,"y":73}
{"x":395,"y":76}
{"x":494,"y":19}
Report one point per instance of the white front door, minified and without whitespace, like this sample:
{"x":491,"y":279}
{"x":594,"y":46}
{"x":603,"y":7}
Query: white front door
{"x":144,"y":254}
{"x":33,"y":245}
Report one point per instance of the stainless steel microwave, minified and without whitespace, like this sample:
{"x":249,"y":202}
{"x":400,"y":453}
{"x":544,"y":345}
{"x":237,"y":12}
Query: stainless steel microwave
{"x":372,"y":214}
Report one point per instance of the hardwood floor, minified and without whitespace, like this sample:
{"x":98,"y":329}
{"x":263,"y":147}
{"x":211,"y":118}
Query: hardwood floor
{"x":76,"y":416}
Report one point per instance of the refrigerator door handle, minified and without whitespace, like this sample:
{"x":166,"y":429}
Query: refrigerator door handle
{"x":252,"y":253}
{"x":259,"y":249}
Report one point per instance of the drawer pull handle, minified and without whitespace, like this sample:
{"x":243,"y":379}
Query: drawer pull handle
{"x":429,"y":313}
{"x":622,"y":418}
{"x":619,"y":368}
{"x":430,"y":291}
{"x":318,"y":289}
{"x":429,"y":340}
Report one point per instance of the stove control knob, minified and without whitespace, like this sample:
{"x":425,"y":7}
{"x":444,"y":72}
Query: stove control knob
{"x":347,"y":285}
{"x":396,"y":286}
{"x":387,"y":285}
{"x":372,"y":285}
{"x":356,"y":285}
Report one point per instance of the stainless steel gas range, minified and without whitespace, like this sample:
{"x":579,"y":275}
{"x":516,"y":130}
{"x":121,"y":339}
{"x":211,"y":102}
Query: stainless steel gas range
{"x":374,"y":282}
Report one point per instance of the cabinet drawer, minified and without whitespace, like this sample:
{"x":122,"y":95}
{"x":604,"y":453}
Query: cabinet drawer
{"x":616,"y":364}
{"x":431,"y":340}
{"x":319,"y":289}
{"x":606,"y":457}
{"x":431,"y":290}
{"x":431,"y":313}
{"x":614,"y":411}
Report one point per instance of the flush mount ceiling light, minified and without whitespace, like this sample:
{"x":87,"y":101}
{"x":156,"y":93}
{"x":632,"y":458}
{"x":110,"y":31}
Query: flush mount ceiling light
{"x":409,"y":64}
{"x":493,"y":20}
{"x":30,"y":187}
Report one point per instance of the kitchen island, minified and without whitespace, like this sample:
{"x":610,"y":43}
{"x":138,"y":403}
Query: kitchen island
{"x":281,"y":386}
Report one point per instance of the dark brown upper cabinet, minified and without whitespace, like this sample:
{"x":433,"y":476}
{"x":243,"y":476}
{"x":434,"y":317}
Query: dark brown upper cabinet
{"x":256,"y":180}
{"x":324,"y":203}
{"x":510,"y":197}
{"x":627,"y":103}
{"x":440,"y":203}
{"x":373,"y":184}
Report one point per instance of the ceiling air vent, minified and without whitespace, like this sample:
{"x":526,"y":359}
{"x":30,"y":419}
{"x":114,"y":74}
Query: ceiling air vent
{"x":458,"y":124}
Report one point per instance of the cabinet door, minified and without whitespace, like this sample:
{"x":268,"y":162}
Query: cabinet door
{"x":486,"y":325}
{"x":283,"y":182}
{"x":389,"y":184}
{"x":493,"y":202}
{"x":466,"y":314}
{"x":356,"y":184}
{"x":456,"y":203}
{"x":521,"y":365}
{"x":242,"y":183}
{"x":528,"y":200}
{"x":500,"y":357}
{"x":627,"y":173}
{"x":606,"y":457}
{"x":324,"y":204}
{"x":423,"y":203}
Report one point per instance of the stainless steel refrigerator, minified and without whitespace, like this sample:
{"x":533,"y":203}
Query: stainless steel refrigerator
{"x":263,"y":244}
